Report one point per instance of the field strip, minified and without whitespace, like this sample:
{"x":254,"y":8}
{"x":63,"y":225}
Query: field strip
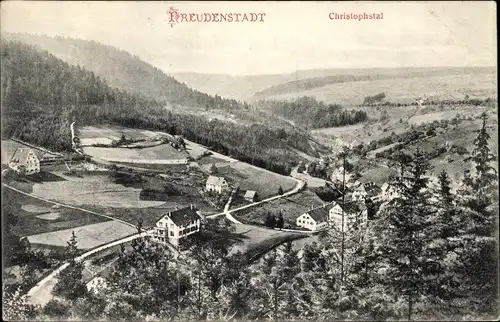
{"x":67,"y":206}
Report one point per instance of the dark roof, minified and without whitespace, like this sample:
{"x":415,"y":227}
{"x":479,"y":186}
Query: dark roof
{"x":319,"y":214}
{"x":373,"y":191}
{"x":184,"y":216}
{"x":351,"y":206}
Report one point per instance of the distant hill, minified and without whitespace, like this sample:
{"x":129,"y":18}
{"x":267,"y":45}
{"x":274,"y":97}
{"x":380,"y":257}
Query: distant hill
{"x":357,"y":75}
{"x":257,"y":87}
{"x":236,"y":87}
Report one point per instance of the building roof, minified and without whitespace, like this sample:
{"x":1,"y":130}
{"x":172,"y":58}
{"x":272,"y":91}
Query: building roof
{"x":319,"y":214}
{"x":183,"y":216}
{"x":21,"y":155}
{"x":250,"y":194}
{"x":373,"y":190}
{"x":216,"y":181}
{"x":351,"y":207}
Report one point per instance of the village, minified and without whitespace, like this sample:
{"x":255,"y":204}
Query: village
{"x":348,"y":212}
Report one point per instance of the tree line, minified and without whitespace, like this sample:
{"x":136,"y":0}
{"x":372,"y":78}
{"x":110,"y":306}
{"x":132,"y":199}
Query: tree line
{"x":311,"y":114}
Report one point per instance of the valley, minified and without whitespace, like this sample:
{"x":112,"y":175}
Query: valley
{"x":196,"y":180}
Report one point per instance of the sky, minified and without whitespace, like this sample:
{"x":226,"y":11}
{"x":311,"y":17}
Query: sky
{"x":293,"y":36}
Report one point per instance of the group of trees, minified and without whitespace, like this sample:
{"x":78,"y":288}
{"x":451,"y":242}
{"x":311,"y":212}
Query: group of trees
{"x":311,"y":114}
{"x":373,"y":99}
{"x":468,"y":101}
{"x":434,"y":247}
{"x":273,"y":221}
{"x":42,"y":95}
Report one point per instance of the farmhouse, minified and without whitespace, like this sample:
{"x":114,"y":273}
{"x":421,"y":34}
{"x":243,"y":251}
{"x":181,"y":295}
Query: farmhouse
{"x":314,"y":219}
{"x":250,"y":195}
{"x":355,"y":215}
{"x":177,"y":224}
{"x":25,"y":161}
{"x":217,"y":184}
{"x":367,"y":191}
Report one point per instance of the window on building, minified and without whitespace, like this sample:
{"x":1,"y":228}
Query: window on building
{"x":171,"y":233}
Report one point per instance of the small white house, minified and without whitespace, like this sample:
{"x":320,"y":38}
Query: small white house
{"x":355,"y":214}
{"x":314,"y":219}
{"x":177,"y":224}
{"x":217,"y":184}
{"x":25,"y":161}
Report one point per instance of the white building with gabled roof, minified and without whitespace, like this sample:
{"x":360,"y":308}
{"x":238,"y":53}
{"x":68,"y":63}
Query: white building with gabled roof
{"x":217,"y":184}
{"x":25,"y":161}
{"x":177,"y":224}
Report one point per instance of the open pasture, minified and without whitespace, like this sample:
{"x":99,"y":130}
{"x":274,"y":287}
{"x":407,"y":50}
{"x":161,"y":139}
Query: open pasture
{"x":88,"y":236}
{"x":258,"y":240}
{"x":94,"y":189}
{"x":38,"y":216}
{"x":106,"y":133}
{"x":163,"y":153}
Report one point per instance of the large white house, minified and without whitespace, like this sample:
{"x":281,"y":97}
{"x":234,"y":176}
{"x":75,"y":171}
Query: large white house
{"x":314,"y":219}
{"x":217,"y":184}
{"x":177,"y":224}
{"x":25,"y":161}
{"x":355,"y":215}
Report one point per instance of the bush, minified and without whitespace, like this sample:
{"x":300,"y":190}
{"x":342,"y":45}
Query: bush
{"x":55,"y":308}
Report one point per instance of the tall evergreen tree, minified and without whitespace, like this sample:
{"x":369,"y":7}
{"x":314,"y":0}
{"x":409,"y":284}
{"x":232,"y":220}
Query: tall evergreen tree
{"x":404,"y":240}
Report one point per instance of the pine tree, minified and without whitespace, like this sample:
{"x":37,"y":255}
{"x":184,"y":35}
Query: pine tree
{"x":403,"y":248}
{"x":72,"y":247}
{"x":482,"y":156}
{"x":70,"y":283}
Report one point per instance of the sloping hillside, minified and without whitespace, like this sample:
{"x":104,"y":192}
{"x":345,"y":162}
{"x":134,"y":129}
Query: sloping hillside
{"x":125,"y":71}
{"x":402,"y":90}
{"x":42,"y":94}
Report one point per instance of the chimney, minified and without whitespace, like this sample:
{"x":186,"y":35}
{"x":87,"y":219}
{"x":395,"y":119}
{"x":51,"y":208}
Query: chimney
{"x":169,"y":214}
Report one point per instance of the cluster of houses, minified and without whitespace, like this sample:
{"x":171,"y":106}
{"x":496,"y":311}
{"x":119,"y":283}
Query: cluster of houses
{"x":353,"y":210}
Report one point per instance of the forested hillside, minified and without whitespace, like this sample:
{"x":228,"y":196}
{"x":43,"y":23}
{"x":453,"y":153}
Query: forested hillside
{"x":42,"y":95}
{"x":309,"y":113}
{"x":125,"y":71}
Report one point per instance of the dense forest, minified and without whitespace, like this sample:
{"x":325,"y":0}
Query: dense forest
{"x":429,"y":254}
{"x":310,"y":113}
{"x":42,"y":95}
{"x":125,"y":71}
